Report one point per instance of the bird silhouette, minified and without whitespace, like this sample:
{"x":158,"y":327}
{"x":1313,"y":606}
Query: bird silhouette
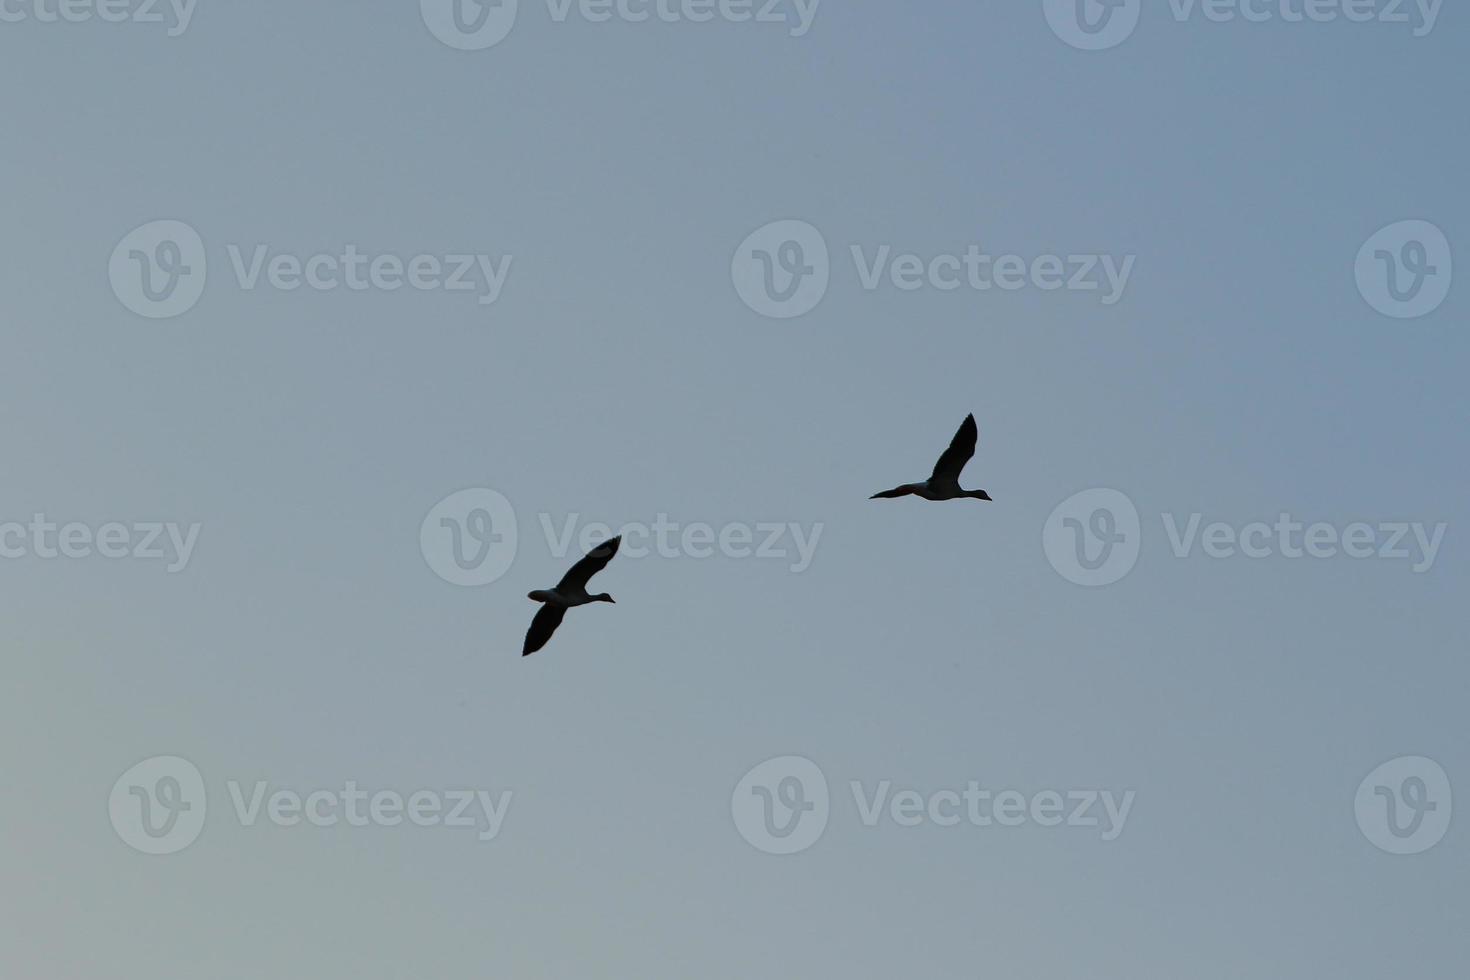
{"x":944,"y":483}
{"x":570,"y":591}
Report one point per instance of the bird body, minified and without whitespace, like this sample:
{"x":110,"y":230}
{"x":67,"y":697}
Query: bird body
{"x":569,"y":593}
{"x":929,"y":491}
{"x":553,"y":597}
{"x":944,"y":483}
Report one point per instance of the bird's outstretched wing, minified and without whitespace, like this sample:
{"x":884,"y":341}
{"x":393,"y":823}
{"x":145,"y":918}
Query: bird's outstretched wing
{"x":590,"y":564}
{"x":961,"y":448}
{"x":548,"y":618}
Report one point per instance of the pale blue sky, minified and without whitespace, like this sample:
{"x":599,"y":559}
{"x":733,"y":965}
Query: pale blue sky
{"x":620,"y":377}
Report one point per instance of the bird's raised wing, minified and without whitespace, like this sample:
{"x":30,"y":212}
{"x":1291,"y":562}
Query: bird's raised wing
{"x":548,"y":618}
{"x":590,"y":564}
{"x":961,"y":448}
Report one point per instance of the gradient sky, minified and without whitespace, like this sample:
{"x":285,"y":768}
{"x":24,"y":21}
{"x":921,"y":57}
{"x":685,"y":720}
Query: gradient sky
{"x":619,"y":376}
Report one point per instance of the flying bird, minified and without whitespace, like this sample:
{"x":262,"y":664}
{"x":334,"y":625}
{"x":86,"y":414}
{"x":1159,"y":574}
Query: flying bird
{"x":944,"y":484}
{"x":570,"y":591}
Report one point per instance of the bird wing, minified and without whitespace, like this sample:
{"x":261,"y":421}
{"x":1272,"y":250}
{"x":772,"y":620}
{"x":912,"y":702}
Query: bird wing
{"x":961,"y":448}
{"x":589,"y":565}
{"x":545,"y":623}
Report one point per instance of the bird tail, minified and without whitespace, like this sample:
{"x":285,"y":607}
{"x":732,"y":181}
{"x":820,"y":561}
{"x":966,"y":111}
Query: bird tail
{"x":895,"y":492}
